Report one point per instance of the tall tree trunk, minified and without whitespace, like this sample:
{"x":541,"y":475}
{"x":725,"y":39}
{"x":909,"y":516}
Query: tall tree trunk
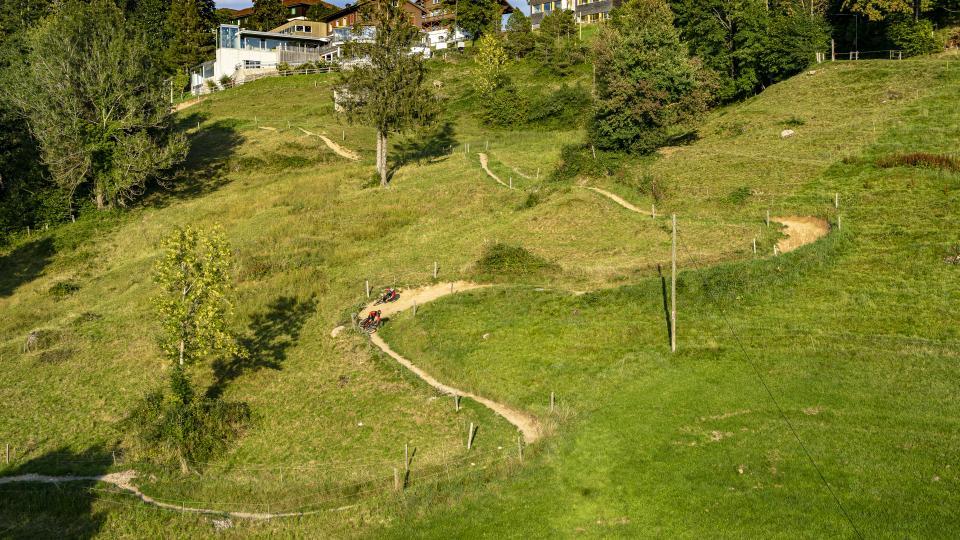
{"x":382,"y":157}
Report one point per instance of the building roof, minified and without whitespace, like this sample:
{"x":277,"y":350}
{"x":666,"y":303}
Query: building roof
{"x":246,"y":12}
{"x":278,"y":35}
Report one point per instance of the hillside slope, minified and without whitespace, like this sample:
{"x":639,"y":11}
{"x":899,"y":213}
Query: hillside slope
{"x":855,"y":334}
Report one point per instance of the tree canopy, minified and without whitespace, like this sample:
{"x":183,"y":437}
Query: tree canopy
{"x":645,"y":82}
{"x":476,"y":17}
{"x":518,"y":35}
{"x":268,"y":14}
{"x":384,"y":89}
{"x":92,"y":94}
{"x":190,"y":24}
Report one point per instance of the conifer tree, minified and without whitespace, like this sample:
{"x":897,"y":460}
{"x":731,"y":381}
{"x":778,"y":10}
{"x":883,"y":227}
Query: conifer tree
{"x":518,"y":37}
{"x":268,"y":14}
{"x":191,"y":25}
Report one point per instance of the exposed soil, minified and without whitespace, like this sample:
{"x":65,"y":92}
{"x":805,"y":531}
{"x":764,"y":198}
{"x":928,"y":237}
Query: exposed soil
{"x":526,"y":423}
{"x":619,"y":200}
{"x":124,"y":479}
{"x":800,"y":230}
{"x":484,"y":164}
{"x":337,"y":149}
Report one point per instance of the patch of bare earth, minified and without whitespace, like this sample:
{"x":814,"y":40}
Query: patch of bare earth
{"x":800,"y":231}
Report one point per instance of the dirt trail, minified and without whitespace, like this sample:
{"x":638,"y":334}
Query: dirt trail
{"x":617,"y":199}
{"x":484,"y":164}
{"x":184,"y":104}
{"x":800,"y":230}
{"x":337,"y":149}
{"x":526,"y":423}
{"x":123,"y":480}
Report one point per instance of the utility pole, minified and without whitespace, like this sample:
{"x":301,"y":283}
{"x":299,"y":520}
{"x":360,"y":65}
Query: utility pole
{"x":673,"y":290}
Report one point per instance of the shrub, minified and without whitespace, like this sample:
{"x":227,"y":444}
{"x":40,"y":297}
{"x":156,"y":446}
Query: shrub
{"x":914,"y":37}
{"x":212,"y":86}
{"x":504,"y":107}
{"x":740,"y":195}
{"x":226,"y":82}
{"x":582,"y":160}
{"x":185,"y":429}
{"x":566,"y":107}
{"x":504,"y":261}
{"x":533,"y":199}
{"x":63,"y":289}
{"x":283,"y":67}
{"x":920,"y":159}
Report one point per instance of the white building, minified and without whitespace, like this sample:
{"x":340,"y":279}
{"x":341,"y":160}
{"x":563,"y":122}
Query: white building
{"x":243,"y":53}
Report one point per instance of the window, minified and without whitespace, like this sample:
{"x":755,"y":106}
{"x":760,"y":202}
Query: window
{"x":251,"y":64}
{"x":308,"y":29}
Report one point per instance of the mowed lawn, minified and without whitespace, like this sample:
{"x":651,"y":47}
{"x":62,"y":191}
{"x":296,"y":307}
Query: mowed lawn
{"x":855,"y":335}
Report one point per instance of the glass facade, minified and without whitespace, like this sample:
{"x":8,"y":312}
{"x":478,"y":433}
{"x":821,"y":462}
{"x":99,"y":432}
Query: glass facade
{"x":228,"y":37}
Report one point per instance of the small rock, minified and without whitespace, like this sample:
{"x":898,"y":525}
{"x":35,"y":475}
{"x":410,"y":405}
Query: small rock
{"x":485,"y":336}
{"x":787,"y":133}
{"x":936,"y":478}
{"x":359,"y":424}
{"x":740,"y":469}
{"x":812,"y":72}
{"x":221,"y":524}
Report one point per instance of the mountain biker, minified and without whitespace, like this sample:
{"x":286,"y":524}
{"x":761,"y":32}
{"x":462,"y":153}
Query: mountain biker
{"x":372,"y":319}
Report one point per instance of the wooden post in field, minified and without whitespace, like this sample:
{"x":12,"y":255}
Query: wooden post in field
{"x":552,"y":401}
{"x":538,"y":173}
{"x":470,"y":437}
{"x":343,"y":135}
{"x":833,"y":50}
{"x":653,"y":211}
{"x":768,"y":217}
{"x":520,"y":447}
{"x":451,"y":288}
{"x":368,"y":288}
{"x":673,"y":289}
{"x":406,"y":457}
{"x":414,"y":308}
{"x":436,"y":267}
{"x":487,"y":147}
{"x":836,"y":200}
{"x":456,"y":402}
{"x":256,"y":121}
{"x":511,"y":182}
{"x":754,"y":245}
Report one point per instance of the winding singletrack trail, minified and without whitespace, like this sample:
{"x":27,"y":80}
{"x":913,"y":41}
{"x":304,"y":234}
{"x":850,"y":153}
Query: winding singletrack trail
{"x":619,"y":200}
{"x":526,"y":423}
{"x":123,"y":480}
{"x":800,"y":230}
{"x":485,"y":165}
{"x":337,"y":149}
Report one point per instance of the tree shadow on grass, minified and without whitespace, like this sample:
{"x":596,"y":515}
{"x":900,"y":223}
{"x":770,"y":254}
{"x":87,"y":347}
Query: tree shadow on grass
{"x":269,"y":335}
{"x":424,"y":145}
{"x":61,"y":510}
{"x":205,"y":169}
{"x":24,"y":264}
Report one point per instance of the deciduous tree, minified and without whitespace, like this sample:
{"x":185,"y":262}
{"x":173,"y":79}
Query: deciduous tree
{"x":385,"y":88}
{"x":646,"y":84}
{"x":475,"y":17}
{"x":92,"y":94}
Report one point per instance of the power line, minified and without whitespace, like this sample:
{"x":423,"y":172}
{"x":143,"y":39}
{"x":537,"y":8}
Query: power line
{"x":776,"y":403}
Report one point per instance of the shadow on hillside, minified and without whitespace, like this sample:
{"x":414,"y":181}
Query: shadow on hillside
{"x":63,"y":510}
{"x":24,"y":264}
{"x":207,"y":165}
{"x":424,"y":145}
{"x":683,"y":139}
{"x":269,"y":335}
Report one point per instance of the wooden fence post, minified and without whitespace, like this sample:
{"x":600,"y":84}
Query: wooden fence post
{"x":754,"y":245}
{"x":368,"y":288}
{"x":436,"y":267}
{"x":673,"y":290}
{"x":836,"y":200}
{"x":520,"y":447}
{"x":470,"y":437}
{"x":552,"y":401}
{"x":768,"y":217}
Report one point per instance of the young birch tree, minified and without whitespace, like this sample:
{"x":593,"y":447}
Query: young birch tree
{"x":193,"y":304}
{"x":384,"y":89}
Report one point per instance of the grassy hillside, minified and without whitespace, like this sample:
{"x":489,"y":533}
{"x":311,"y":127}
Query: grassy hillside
{"x":855,"y":334}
